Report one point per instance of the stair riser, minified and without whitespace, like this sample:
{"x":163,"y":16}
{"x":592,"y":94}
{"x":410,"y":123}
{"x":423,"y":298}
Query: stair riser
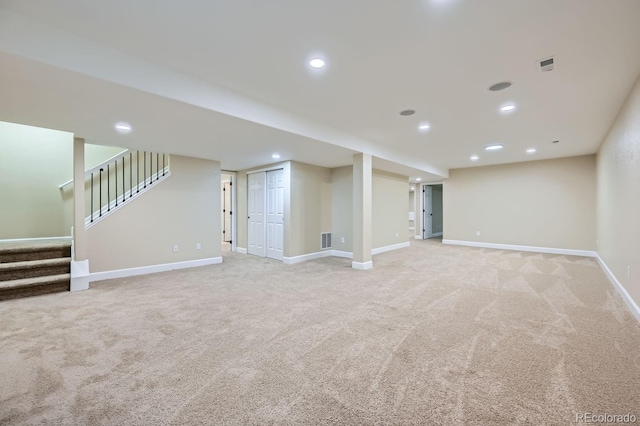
{"x":34,"y":290}
{"x":34,"y":272}
{"x":24,"y":256}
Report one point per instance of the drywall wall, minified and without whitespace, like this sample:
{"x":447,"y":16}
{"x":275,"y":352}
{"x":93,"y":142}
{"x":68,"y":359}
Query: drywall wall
{"x":34,"y":162}
{"x":390,"y":201}
{"x":183,"y":209}
{"x":546,"y":203}
{"x":311,"y":211}
{"x":618,"y":188}
{"x":436,"y":205}
{"x":96,"y":154}
{"x":342,"y":208}
{"x":241,"y":210}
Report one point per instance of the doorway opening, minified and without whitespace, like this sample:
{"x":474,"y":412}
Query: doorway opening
{"x":432,"y":209}
{"x":227,"y":203}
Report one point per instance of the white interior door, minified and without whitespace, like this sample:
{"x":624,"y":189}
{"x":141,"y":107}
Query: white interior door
{"x":256,"y":207}
{"x":275,"y":214}
{"x":428,"y":212}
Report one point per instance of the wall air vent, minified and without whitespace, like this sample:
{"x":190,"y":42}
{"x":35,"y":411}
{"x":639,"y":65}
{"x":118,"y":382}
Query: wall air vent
{"x":325,"y":240}
{"x":546,"y":65}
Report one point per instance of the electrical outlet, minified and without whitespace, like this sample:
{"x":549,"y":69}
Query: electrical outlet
{"x":477,"y":233}
{"x":341,"y":240}
{"x":198,"y":246}
{"x":175,"y":248}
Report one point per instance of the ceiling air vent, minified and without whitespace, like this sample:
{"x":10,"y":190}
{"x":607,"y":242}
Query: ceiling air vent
{"x":546,"y":64}
{"x":325,"y":240}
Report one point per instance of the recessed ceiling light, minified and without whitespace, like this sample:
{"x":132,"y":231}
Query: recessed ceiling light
{"x":317,"y":63}
{"x":418,"y":179}
{"x":508,"y":108}
{"x":531,"y":151}
{"x":413,"y":188}
{"x":494,"y":147}
{"x":474,"y":158}
{"x":123,"y":127}
{"x":424,"y":127}
{"x":275,"y":156}
{"x":500,"y":86}
{"x":407,"y":112}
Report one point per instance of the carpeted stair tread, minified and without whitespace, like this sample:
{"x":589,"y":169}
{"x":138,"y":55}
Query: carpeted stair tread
{"x":31,"y":264}
{"x":34,"y":282}
{"x":21,"y":252}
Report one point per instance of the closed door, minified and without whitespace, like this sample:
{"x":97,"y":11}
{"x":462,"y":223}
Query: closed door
{"x":275,"y":214}
{"x":428,"y":212}
{"x":256,"y":206}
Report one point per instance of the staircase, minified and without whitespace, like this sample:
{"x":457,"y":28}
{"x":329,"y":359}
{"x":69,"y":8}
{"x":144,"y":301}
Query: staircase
{"x":34,"y":268}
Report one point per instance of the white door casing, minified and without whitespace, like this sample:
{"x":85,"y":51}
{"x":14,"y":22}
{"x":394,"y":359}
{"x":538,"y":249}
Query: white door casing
{"x":256,"y":207}
{"x":275,"y":214}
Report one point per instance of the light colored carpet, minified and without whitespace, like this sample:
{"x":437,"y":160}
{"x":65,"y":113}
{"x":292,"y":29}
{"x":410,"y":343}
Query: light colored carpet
{"x":433,"y":335}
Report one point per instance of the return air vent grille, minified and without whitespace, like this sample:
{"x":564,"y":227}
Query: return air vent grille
{"x":325,"y":240}
{"x":547,"y":65}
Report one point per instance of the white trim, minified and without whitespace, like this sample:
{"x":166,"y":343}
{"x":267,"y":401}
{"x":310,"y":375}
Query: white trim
{"x":234,"y":207}
{"x":389,"y":248}
{"x":344,"y":254}
{"x":143,"y":270}
{"x":412,"y":228}
{"x":631,"y":304}
{"x":362,"y":266}
{"x":122,"y":199}
{"x":241,"y":250}
{"x":570,"y":252}
{"x":271,"y":168}
{"x":304,"y":257}
{"x":79,"y":275}
{"x":41,"y":240}
{"x":418,"y":237}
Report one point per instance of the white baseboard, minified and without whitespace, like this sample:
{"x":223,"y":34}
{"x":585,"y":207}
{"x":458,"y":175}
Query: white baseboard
{"x":79,"y":275}
{"x":570,"y":252}
{"x":418,"y":237}
{"x":412,"y":228}
{"x":362,"y":266}
{"x":344,"y":254}
{"x":241,"y":250}
{"x":143,"y":270}
{"x":39,"y":240}
{"x":304,"y":257}
{"x":389,"y":248}
{"x":633,"y":307}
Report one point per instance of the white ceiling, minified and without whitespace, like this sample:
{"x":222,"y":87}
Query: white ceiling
{"x":229,"y":79}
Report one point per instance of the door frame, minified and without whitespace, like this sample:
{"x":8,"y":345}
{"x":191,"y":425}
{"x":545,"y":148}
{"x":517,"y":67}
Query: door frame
{"x":234,"y":207}
{"x":422,"y":228}
{"x":286,"y":170}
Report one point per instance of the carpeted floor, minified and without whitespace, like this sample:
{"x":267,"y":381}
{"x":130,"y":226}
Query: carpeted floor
{"x":433,"y":335}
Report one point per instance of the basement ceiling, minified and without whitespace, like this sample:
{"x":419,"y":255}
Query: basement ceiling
{"x":247,"y":61}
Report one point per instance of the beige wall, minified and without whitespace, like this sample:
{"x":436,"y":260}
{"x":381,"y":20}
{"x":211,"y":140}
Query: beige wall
{"x":618,"y":165}
{"x":342,"y":207}
{"x":241,"y":210}
{"x":390,"y":209}
{"x":33,"y":162}
{"x":547,"y":203}
{"x":311,"y":212}
{"x":96,"y":154}
{"x":184,"y":209}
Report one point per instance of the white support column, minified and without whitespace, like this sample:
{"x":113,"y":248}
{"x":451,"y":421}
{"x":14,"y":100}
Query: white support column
{"x":362,"y":224}
{"x":79,"y":263}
